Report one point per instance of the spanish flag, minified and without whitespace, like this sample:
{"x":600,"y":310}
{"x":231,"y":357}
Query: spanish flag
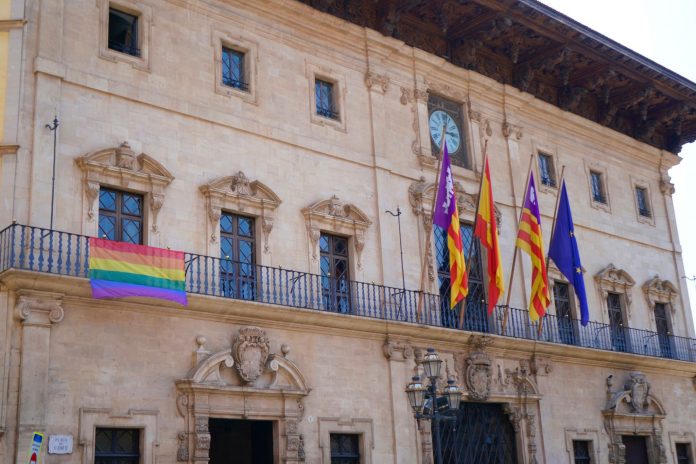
{"x":486,"y":230}
{"x":529,"y":240}
{"x":446,"y":215}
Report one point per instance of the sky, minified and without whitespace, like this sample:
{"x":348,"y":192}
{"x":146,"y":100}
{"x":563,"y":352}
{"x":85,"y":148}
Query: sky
{"x":665,"y":32}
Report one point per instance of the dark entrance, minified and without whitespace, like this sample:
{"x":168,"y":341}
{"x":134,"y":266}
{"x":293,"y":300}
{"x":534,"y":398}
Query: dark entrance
{"x":636,"y":449}
{"x":240,"y":441}
{"x":481,"y":434}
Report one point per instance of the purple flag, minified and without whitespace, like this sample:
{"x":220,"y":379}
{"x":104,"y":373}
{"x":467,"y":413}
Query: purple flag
{"x":445,"y":202}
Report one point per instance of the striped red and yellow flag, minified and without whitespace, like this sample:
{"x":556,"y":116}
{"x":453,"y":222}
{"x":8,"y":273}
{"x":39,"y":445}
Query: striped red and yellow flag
{"x":446,"y":215}
{"x":529,"y":240}
{"x":486,"y":230}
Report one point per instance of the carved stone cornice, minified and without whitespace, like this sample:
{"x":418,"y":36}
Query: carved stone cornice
{"x":512,"y":130}
{"x":8,"y":149}
{"x":336,"y":216}
{"x":397,"y":350}
{"x":660,"y":291}
{"x":237,"y":193}
{"x":121,"y":167}
{"x":39,"y":308}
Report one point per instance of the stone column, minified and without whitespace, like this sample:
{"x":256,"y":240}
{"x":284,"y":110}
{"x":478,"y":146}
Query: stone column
{"x":38,"y":311}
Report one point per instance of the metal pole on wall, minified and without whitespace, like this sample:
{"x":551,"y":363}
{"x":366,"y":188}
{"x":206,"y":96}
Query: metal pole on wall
{"x":53,"y":128}
{"x":437,"y":443}
{"x":401,"y":248}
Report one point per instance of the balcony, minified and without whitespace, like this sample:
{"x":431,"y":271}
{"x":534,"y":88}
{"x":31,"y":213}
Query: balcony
{"x":48,"y":251}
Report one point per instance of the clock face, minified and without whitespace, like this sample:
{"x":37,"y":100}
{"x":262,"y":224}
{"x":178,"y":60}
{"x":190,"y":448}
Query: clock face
{"x":438,"y":120}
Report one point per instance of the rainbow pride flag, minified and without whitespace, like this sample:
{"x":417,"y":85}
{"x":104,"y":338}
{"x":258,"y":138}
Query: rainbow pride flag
{"x":118,"y":269}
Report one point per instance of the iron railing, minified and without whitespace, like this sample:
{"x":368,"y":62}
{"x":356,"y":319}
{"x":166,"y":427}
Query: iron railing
{"x":49,"y":251}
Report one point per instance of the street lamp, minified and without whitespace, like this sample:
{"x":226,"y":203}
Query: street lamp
{"x":417,"y":392}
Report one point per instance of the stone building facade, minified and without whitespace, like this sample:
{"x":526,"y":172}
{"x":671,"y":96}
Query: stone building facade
{"x":267,"y":139}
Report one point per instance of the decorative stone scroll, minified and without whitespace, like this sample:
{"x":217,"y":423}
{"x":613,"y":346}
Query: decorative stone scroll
{"x":120,"y":167}
{"x":660,"y":291}
{"x":633,"y":410}
{"x":378,"y":82}
{"x":237,"y":193}
{"x":413,"y":97}
{"x":245,"y":381}
{"x":337,"y":217}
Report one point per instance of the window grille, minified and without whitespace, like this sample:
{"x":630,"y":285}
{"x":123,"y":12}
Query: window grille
{"x":546,"y":170}
{"x":345,"y":448}
{"x":233,"y":69}
{"x":120,"y":216}
{"x":325,"y":99}
{"x":597,"y":181}
{"x":123,"y":32}
{"x":581,"y":452}
{"x":116,"y":446}
{"x":642,"y":200}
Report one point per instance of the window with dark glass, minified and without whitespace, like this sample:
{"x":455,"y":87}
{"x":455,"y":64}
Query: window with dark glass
{"x":683,"y":453}
{"x":325,"y":99}
{"x":123,"y":32}
{"x":235,"y":441}
{"x":237,"y":256}
{"x":616,"y":322}
{"x":116,"y":446}
{"x":120,"y":216}
{"x":345,"y":448}
{"x":476,"y":314}
{"x":335,"y":276}
{"x":642,"y":200}
{"x":598,"y":192}
{"x":546,"y":170}
{"x":233,"y":69}
{"x":561,"y":297}
{"x":663,"y":333}
{"x":581,"y":452}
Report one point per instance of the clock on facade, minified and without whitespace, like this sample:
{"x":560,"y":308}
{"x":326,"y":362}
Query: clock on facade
{"x":440,"y":119}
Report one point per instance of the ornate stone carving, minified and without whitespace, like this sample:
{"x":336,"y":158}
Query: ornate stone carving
{"x":396,"y":350}
{"x":413,"y":97}
{"x":238,"y":193}
{"x":182,"y":452}
{"x":379,"y":82}
{"x":40,"y":308}
{"x":512,"y":130}
{"x":336,"y":216}
{"x":182,"y":402}
{"x":250,"y":350}
{"x":478,"y":376}
{"x":660,"y":291}
{"x":613,"y":279}
{"x":120,"y":167}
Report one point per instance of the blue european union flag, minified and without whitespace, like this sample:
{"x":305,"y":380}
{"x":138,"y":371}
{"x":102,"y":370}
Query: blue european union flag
{"x":564,"y":252}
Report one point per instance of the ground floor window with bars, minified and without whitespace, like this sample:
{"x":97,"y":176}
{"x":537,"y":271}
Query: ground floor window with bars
{"x":345,"y":448}
{"x":237,"y":256}
{"x":116,"y":446}
{"x":683,"y":453}
{"x":476,"y":314}
{"x":581,"y":452}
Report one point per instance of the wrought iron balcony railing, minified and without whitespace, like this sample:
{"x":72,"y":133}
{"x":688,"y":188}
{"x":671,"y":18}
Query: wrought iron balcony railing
{"x":49,"y":251}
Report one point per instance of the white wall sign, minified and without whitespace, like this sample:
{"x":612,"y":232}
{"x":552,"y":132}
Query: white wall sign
{"x":60,"y":444}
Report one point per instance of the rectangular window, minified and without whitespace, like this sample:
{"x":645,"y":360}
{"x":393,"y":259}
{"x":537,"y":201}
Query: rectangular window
{"x":598,"y":191}
{"x":325,"y":98}
{"x":546,"y":170}
{"x":581,"y":452}
{"x":116,"y":446}
{"x":683,"y":453}
{"x":345,"y":448}
{"x":123,"y":32}
{"x":335,"y":275}
{"x":561,"y":297}
{"x":237,"y":256}
{"x":642,"y":201}
{"x":663,"y":333}
{"x":120,"y":216}
{"x":616,"y":323}
{"x":233,"y":69}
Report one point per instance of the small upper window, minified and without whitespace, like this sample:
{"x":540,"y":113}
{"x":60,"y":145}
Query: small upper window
{"x":598,"y":190}
{"x":642,"y":201}
{"x":116,"y":446}
{"x":326,"y":101}
{"x":123,"y":32}
{"x":546,"y":170}
{"x":233,"y":69}
{"x":581,"y":452}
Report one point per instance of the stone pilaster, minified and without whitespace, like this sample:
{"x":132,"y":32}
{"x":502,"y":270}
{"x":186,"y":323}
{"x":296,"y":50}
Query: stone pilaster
{"x":38,"y":312}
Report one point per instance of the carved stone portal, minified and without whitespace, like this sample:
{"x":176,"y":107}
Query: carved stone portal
{"x":478,"y":376}
{"x":246,"y":381}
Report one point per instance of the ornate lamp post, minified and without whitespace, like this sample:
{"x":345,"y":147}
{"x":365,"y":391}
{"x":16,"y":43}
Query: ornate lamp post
{"x":417,"y":393}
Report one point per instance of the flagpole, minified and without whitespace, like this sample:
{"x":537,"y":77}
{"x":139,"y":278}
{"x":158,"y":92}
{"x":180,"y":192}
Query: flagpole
{"x":553,"y":229}
{"x":471,"y":245}
{"x":514,"y":255}
{"x":428,"y":238}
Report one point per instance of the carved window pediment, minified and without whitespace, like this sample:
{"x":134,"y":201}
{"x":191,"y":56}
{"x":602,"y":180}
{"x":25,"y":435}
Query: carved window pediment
{"x":660,"y":291}
{"x":333,"y":215}
{"x":613,"y":279}
{"x":120,"y":167}
{"x":238,"y":194}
